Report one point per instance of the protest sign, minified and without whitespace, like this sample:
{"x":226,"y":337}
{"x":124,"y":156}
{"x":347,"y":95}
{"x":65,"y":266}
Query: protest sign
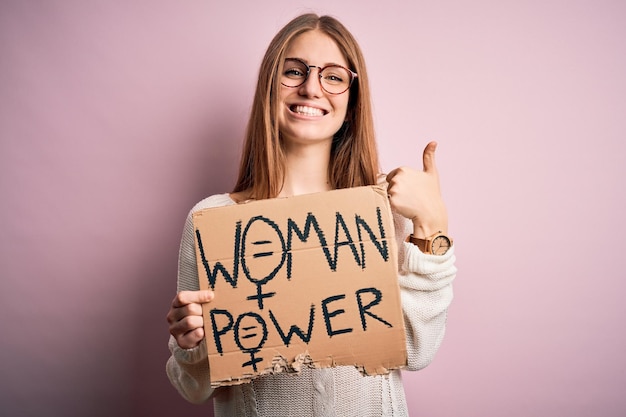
{"x":309,"y":280}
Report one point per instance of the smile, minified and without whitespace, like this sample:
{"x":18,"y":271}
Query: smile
{"x":307,"y":111}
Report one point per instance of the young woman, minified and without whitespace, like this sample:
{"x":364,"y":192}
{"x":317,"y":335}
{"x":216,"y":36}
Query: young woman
{"x":311,"y":130}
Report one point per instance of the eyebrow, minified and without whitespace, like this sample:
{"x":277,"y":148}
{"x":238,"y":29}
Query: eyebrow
{"x":321,"y":66}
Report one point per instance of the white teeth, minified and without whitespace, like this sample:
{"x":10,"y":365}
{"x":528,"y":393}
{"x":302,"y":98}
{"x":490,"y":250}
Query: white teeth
{"x":308,"y":111}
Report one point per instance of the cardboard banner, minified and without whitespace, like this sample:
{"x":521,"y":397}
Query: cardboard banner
{"x":301,"y":281}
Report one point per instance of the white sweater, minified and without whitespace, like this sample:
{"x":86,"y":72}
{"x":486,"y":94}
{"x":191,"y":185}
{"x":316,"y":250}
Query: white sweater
{"x":426,"y":292}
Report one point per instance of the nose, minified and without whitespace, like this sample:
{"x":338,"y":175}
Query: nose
{"x":312,"y":87}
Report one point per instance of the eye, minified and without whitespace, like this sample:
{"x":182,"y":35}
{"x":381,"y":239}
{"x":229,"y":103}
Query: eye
{"x":335,"y":75}
{"x":293,"y":73}
{"x":294,"y":69}
{"x":334,"y":78}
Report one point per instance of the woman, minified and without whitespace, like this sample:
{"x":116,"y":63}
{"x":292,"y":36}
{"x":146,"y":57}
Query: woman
{"x":310,"y":131}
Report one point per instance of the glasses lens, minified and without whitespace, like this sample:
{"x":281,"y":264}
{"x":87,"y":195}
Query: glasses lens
{"x":294,"y":73}
{"x":335,"y":79}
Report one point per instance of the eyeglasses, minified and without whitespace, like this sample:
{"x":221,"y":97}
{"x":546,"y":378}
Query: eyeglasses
{"x":334,"y":79}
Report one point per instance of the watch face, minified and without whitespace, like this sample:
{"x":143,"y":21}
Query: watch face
{"x":440,"y":245}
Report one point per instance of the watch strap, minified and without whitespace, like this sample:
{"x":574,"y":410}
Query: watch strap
{"x":422,"y":244}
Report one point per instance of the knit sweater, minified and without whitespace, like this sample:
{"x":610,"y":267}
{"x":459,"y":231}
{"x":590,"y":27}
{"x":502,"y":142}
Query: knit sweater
{"x":426,"y":292}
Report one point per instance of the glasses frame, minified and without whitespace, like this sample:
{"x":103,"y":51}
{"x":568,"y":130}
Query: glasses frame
{"x":353,"y":75}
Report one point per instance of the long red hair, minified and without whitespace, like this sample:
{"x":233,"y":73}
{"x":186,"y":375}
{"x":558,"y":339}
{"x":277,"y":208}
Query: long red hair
{"x":354,"y":157}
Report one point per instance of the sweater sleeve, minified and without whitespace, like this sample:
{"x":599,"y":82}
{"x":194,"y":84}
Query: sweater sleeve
{"x":188,"y":369}
{"x":426,"y":292}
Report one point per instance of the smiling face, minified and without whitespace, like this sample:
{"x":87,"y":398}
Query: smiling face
{"x":307,"y":113}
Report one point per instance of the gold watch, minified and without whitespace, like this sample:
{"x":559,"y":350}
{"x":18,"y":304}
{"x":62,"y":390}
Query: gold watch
{"x":437,"y":244}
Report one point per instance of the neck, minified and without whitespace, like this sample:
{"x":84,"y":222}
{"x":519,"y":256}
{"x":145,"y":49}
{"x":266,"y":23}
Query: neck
{"x":306,"y":170}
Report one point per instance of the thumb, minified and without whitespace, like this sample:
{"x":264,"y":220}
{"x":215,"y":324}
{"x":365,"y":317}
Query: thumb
{"x":429,"y":157}
{"x":184,"y":298}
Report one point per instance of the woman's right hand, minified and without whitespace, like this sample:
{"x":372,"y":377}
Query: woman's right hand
{"x":185,"y":317}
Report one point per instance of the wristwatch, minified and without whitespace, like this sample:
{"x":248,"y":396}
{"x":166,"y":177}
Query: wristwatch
{"x":437,"y":244}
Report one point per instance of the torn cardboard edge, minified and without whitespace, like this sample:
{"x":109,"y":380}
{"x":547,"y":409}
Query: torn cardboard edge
{"x":305,"y":281}
{"x":295,"y":367}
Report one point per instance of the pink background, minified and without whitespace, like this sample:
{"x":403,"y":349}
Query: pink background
{"x":117,"y":116}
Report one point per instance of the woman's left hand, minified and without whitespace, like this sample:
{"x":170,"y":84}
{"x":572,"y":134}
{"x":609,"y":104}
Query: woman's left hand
{"x":416,"y":195}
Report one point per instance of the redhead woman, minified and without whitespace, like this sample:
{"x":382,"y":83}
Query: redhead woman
{"x":311,"y":130}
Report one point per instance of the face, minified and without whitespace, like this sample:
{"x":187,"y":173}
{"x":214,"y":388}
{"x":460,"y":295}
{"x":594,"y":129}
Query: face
{"x":307,"y":113}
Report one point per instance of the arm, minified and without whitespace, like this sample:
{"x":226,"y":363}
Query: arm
{"x":425,"y":280}
{"x":188,"y":371}
{"x":187,"y":367}
{"x":426,"y":292}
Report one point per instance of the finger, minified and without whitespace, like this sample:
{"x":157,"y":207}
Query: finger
{"x":402,"y":170}
{"x":190,"y":339}
{"x":391,"y":175}
{"x":187,"y":297}
{"x":177,"y":313}
{"x":429,"y":157}
{"x":186,"y":325}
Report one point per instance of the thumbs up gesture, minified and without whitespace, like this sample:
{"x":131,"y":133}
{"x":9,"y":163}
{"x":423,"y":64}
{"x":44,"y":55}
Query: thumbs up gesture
{"x":416,"y":195}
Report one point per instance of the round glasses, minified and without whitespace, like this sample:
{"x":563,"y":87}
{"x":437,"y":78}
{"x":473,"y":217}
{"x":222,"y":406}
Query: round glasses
{"x":334,"y":79}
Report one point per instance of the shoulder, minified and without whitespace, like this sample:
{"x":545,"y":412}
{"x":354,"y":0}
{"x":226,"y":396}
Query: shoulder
{"x":216,"y":200}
